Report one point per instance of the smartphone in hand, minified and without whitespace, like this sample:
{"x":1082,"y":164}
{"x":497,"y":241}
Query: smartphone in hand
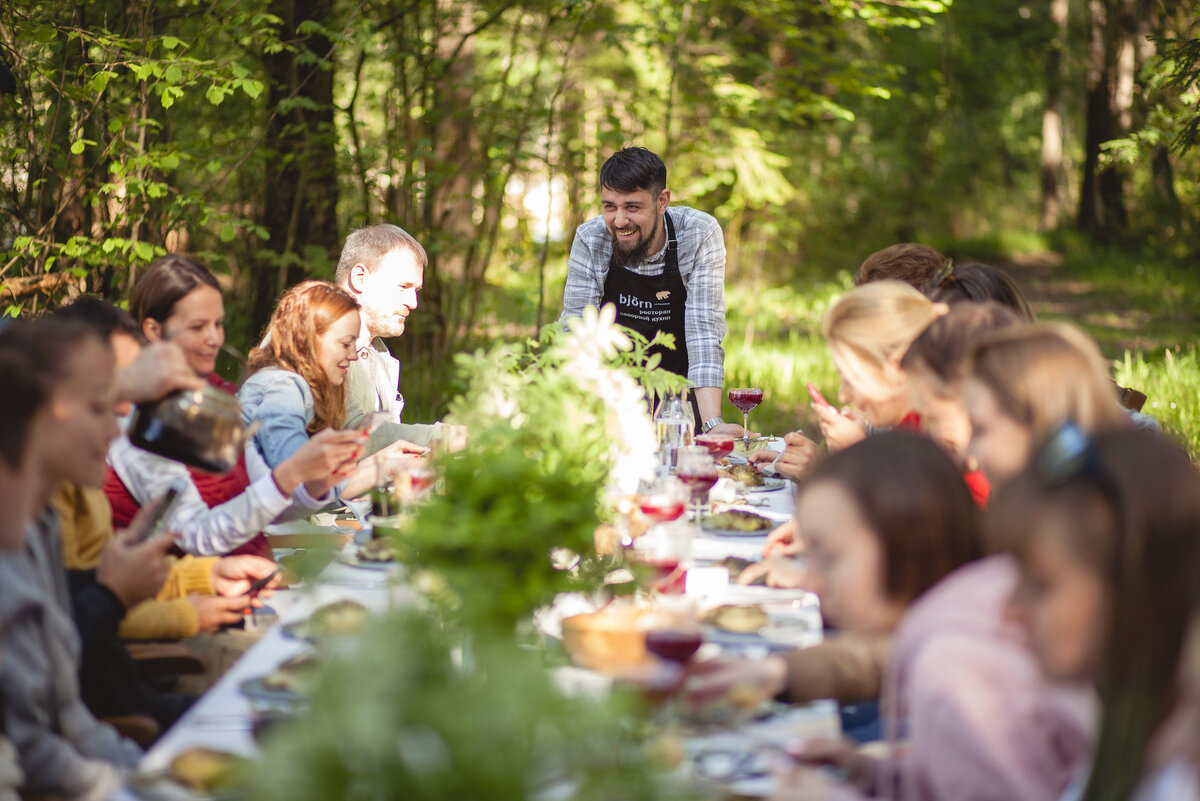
{"x":257,"y":585}
{"x":156,"y":522}
{"x":817,"y":397}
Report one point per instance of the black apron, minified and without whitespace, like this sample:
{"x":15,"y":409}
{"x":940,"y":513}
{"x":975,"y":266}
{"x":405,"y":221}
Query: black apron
{"x":652,"y":303}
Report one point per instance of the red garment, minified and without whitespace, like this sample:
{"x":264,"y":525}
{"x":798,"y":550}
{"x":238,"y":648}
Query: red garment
{"x":910,"y":422}
{"x":980,"y":487}
{"x":214,"y":489}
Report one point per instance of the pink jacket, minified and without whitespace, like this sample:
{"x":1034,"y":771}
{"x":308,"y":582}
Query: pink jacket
{"x":982,"y":724}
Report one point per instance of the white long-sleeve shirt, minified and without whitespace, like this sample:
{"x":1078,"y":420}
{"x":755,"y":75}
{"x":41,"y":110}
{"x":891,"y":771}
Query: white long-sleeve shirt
{"x":197,"y":528}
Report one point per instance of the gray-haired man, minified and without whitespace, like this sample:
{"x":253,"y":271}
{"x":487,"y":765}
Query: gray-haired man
{"x":383,"y":267}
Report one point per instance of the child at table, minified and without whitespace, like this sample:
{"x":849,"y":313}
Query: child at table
{"x":1024,"y":382}
{"x":1105,"y":531}
{"x":895,"y":546}
{"x":867,"y":330}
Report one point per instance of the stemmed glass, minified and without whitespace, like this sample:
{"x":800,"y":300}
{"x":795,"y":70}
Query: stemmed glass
{"x":745,"y":399}
{"x":719,"y":445}
{"x":698,"y":471}
{"x":664,"y":501}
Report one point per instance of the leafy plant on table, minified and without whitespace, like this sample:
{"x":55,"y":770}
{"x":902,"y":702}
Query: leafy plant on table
{"x":553,"y":424}
{"x":405,"y":717}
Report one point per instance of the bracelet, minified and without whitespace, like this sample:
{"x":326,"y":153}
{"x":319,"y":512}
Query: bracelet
{"x":710,"y":424}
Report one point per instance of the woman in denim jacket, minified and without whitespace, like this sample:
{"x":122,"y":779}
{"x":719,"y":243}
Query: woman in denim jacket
{"x":297,"y":377}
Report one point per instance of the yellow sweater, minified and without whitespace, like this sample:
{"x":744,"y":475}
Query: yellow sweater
{"x":87,"y":528}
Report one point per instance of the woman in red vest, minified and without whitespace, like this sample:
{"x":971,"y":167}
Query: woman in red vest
{"x":179,"y":300}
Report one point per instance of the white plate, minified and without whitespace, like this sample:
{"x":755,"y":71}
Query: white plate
{"x":768,"y":485}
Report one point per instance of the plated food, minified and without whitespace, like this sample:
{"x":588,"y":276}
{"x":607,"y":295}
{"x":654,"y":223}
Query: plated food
{"x":745,"y":474}
{"x":379,"y":550}
{"x":205,"y":770}
{"x":738,"y":521}
{"x":331,"y":620}
{"x":738,"y":618}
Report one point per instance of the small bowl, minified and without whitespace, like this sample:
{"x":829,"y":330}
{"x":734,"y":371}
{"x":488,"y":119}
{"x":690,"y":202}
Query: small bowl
{"x":610,"y":641}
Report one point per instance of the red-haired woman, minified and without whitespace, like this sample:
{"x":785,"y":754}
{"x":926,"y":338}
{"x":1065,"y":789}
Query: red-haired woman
{"x":296,"y":387}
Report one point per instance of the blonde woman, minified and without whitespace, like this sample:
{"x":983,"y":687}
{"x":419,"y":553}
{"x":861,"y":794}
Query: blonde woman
{"x":868,"y":331}
{"x":1023,"y":383}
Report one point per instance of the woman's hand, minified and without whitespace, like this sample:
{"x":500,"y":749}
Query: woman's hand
{"x":213,"y":611}
{"x":783,"y":540}
{"x":232,"y":575}
{"x":400,"y":447}
{"x":319,"y":464}
{"x":728,"y":677}
{"x":780,"y":571}
{"x":841,"y":428}
{"x":798,"y":456}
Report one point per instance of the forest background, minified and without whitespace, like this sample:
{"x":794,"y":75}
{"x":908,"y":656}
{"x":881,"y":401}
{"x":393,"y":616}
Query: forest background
{"x":1049,"y":137}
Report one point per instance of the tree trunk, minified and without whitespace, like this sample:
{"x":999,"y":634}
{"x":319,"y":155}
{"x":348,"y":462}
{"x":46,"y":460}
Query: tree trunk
{"x":300,"y":191}
{"x":1053,"y":183}
{"x":1101,"y":203}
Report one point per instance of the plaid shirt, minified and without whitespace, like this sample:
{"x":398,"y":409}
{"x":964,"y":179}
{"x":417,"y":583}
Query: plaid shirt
{"x":701,"y":251}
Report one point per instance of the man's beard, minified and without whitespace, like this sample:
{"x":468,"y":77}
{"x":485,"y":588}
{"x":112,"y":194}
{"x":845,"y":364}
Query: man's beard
{"x":636,"y":254}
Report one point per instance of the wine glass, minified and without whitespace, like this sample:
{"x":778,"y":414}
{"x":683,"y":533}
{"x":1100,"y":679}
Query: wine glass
{"x":718,"y":445}
{"x":698,"y":472}
{"x":745,"y":399}
{"x":664,"y":501}
{"x":674,"y":631}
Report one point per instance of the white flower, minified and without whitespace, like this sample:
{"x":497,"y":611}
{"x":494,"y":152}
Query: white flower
{"x":595,"y":335}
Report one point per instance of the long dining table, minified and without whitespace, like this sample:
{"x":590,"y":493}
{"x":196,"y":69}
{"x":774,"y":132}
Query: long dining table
{"x":223,"y":718}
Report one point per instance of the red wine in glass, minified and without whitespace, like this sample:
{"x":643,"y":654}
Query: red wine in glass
{"x":698,"y":479}
{"x":745,"y":399}
{"x":673,"y":645}
{"x":718,"y":446}
{"x":421,"y":479}
{"x":662,"y":510}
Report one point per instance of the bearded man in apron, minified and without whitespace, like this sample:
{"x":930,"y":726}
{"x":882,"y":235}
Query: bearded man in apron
{"x":663,"y":269}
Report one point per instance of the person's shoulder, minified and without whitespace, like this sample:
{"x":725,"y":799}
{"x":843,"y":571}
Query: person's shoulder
{"x":591,"y":228}
{"x":276,"y":383}
{"x":687,"y":218}
{"x":269,"y":378}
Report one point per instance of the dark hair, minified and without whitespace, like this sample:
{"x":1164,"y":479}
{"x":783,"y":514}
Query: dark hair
{"x":34,"y":359}
{"x":166,"y":281}
{"x":913,"y":497}
{"x":1132,"y":514}
{"x":909,"y":262}
{"x":366,"y":246}
{"x":975,"y":283}
{"x":944,"y":345}
{"x":634,"y":169}
{"x":104,"y":317}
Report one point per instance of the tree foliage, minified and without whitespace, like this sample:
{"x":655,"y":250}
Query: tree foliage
{"x":256,"y":134}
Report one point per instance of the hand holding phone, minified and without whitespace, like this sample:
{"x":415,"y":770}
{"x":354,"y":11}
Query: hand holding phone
{"x":156,"y":521}
{"x":817,"y":397}
{"x":258,"y":585}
